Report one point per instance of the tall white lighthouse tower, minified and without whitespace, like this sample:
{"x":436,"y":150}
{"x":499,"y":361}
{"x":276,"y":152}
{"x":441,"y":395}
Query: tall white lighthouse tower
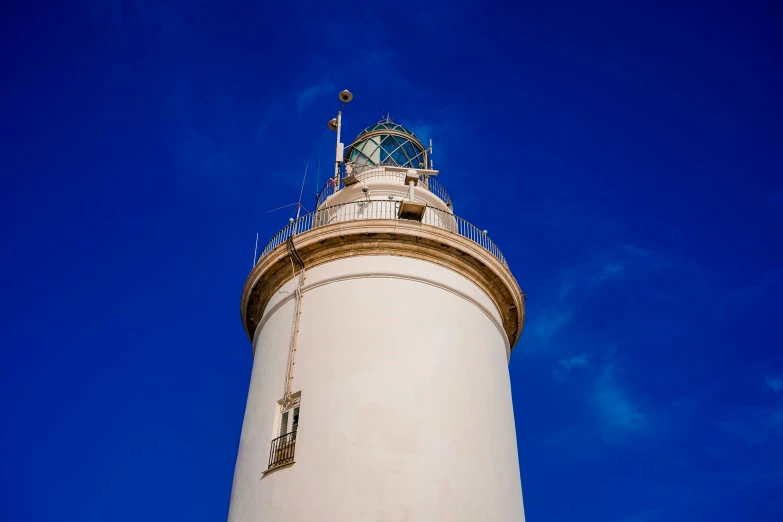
{"x":382,"y":325}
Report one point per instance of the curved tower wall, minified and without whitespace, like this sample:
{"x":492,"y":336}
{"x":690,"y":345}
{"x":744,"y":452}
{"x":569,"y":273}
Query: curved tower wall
{"x":405,"y":409}
{"x":398,"y":384}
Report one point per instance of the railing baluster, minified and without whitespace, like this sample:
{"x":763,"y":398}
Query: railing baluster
{"x":379,"y":172}
{"x":381,"y":209}
{"x":281,"y":450}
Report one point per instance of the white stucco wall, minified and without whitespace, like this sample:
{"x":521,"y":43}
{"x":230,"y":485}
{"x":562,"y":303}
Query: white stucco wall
{"x":406,"y":410}
{"x":382,"y":182}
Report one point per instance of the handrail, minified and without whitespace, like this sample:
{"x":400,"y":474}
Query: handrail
{"x":377,"y":171}
{"x":329,"y":188}
{"x":434,"y":186}
{"x":281,"y":450}
{"x":382,"y":209}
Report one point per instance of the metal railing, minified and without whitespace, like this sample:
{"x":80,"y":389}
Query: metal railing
{"x":434,"y":186}
{"x":329,"y":188}
{"x":470,"y":231}
{"x":382,"y":209}
{"x":367,"y":172}
{"x":282,"y":450}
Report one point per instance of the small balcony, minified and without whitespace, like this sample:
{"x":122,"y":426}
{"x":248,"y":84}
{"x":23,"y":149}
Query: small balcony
{"x":281,"y":451}
{"x":382,"y":209}
{"x":382,"y":173}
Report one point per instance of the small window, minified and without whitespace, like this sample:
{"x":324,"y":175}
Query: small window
{"x":281,"y":452}
{"x":284,"y":423}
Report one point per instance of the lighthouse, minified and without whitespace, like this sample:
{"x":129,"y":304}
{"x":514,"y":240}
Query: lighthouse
{"x":381,"y":324}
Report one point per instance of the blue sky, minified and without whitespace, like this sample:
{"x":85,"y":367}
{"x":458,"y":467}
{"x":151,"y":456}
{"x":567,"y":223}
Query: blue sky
{"x":625,"y":157}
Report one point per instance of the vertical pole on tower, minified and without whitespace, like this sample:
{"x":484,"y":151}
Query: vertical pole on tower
{"x":338,"y":155}
{"x":337,"y":124}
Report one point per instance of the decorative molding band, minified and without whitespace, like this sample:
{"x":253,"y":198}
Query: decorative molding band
{"x":386,"y":275}
{"x":387,"y":237}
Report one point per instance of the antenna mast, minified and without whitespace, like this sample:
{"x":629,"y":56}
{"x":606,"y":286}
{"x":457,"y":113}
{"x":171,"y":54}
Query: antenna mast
{"x":299,"y":204}
{"x":318,"y":176}
{"x":336,"y":125}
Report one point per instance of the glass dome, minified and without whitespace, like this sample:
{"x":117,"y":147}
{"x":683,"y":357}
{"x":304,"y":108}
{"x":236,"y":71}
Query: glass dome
{"x":390,"y":125}
{"x":387,"y":143}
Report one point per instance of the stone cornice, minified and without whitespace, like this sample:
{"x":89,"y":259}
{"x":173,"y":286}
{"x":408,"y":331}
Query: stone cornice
{"x":386,"y":237}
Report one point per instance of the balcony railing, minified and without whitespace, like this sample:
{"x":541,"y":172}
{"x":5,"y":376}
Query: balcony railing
{"x":328,"y":189}
{"x":282,"y":450}
{"x":378,"y":172}
{"x":434,"y":186}
{"x":382,"y":209}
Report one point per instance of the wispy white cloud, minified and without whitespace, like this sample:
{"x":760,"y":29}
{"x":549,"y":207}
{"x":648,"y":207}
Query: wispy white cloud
{"x":575,"y":285}
{"x":565,"y":366}
{"x":272,"y":116}
{"x":756,"y":290}
{"x":647,"y":515}
{"x":754,"y":426}
{"x":547,"y":327}
{"x":633,"y":249}
{"x":424,"y":130}
{"x":139,"y":17}
{"x":619,"y":416}
{"x":775,"y":383}
{"x":565,"y":289}
{"x":576,"y":361}
{"x":222,"y":164}
{"x":310,"y":94}
{"x":610,"y":271}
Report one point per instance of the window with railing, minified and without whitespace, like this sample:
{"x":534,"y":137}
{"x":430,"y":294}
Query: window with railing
{"x":281,"y":451}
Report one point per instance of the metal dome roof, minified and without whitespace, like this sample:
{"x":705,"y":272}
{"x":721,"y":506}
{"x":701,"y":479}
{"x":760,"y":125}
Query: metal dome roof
{"x":390,"y":125}
{"x":387,"y":143}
